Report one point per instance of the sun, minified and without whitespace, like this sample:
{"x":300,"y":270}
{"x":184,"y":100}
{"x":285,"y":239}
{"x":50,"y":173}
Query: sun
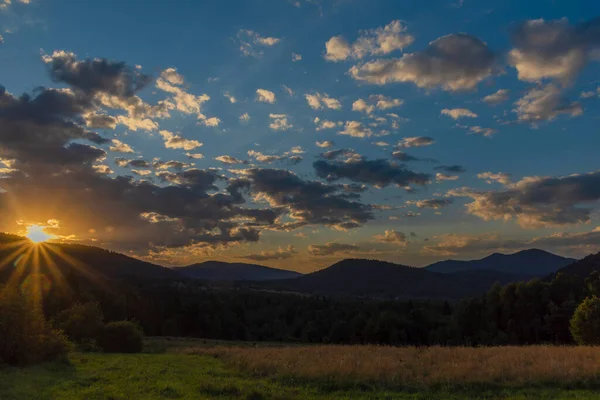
{"x":36,"y":234}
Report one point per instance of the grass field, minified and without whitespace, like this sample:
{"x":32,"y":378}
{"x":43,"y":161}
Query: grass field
{"x":209,"y":370}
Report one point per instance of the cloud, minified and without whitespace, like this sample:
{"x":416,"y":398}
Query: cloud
{"x":453,"y":62}
{"x":326,"y":124}
{"x":404,"y":157}
{"x":379,"y":41}
{"x":266,"y":255}
{"x":251,"y":43}
{"x":582,"y":243}
{"x":296,"y":57}
{"x":183,"y":101}
{"x":288,"y":90}
{"x":325,"y":144}
{"x":439,"y":177}
{"x":349,"y":154}
{"x":379,"y":173}
{"x":245,"y":117}
{"x":331,"y":248}
{"x":265,"y":96}
{"x":553,"y":49}
{"x":431,"y":203}
{"x":356,"y":129}
{"x":487,"y":132}
{"x":172,"y":76}
{"x":173,"y":141}
{"x":545,"y":104}
{"x":230,"y":97}
{"x":230,"y":160}
{"x":457,"y":113}
{"x":375,"y":101}
{"x":498,"y":97}
{"x":213,"y":121}
{"x":392,"y":236}
{"x":120,"y":147}
{"x":291,"y":156}
{"x":196,"y":156}
{"x":500,"y":177}
{"x":279,"y":122}
{"x":415,"y":141}
{"x":303,"y":202}
{"x":538,"y":201}
{"x":95,"y":75}
{"x":319,"y":101}
{"x":455,"y":169}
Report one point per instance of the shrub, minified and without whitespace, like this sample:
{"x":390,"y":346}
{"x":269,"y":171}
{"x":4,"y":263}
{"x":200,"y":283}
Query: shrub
{"x":585,"y":324}
{"x":82,"y":323}
{"x":25,"y":336}
{"x":121,"y":337}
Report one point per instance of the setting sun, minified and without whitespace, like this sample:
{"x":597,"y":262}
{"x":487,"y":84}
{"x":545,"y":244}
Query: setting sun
{"x":36,"y":234}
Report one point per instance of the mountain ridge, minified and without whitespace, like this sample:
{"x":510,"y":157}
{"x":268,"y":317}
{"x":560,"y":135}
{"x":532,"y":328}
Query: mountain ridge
{"x":225,"y":271}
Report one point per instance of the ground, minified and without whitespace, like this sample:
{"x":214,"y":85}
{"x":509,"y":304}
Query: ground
{"x":175,"y":375}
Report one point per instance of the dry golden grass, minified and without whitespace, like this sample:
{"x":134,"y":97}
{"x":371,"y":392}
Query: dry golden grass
{"x":420,"y":367}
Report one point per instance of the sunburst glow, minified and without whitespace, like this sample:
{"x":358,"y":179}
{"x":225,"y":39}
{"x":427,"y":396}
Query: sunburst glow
{"x":36,"y":234}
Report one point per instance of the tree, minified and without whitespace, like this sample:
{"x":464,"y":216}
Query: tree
{"x":585,"y":324}
{"x":592,"y":283}
{"x":121,"y":337}
{"x":81,"y":323}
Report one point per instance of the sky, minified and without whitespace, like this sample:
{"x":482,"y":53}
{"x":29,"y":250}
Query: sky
{"x":296,"y":133}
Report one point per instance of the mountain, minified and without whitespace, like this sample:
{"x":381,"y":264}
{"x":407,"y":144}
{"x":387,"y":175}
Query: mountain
{"x":372,"y":278}
{"x":584,"y":267}
{"x":19,"y":256}
{"x":222,"y":271}
{"x":531,"y":262}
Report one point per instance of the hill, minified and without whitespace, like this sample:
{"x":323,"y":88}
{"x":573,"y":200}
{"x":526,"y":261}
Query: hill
{"x":55,"y":259}
{"x":584,"y":267}
{"x":531,"y":262}
{"x":372,"y":278}
{"x":222,"y":271}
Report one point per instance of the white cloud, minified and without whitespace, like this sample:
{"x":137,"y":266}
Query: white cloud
{"x":491,"y":177}
{"x":213,"y":121}
{"x":296,"y":57}
{"x":195,"y":156}
{"x":457,"y":113}
{"x":318,"y":101}
{"x":230,"y":97}
{"x":380,"y":41}
{"x":325,"y":144}
{"x":172,"y":76}
{"x":265,"y":96}
{"x":326,"y":124}
{"x":251,"y":42}
{"x":120,"y":147}
{"x":356,"y":129}
{"x":245,"y":117}
{"x":498,"y":97}
{"x":279,"y":122}
{"x":173,"y":141}
{"x":487,"y":132}
{"x":230,"y":160}
{"x":184,"y":102}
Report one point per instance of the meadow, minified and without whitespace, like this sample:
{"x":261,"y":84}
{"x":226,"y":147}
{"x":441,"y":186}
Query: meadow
{"x":205,"y":369}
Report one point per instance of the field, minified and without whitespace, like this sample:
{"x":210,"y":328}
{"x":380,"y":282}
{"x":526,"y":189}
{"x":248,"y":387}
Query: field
{"x":184,"y":369}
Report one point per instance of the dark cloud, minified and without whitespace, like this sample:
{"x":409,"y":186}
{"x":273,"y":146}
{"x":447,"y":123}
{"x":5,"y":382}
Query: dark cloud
{"x":553,"y":49}
{"x":305,"y":202}
{"x":453,"y":169}
{"x":538,"y":201}
{"x":92,"y":76}
{"x":453,"y":62}
{"x":379,"y":173}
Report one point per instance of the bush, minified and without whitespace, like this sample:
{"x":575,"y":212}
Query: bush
{"x":585,"y":324}
{"x":25,"y":336}
{"x":82,"y":323}
{"x":121,"y":337}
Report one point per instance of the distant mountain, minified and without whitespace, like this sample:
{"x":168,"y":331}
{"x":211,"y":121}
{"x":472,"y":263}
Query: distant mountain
{"x":584,"y":267}
{"x":531,"y":262}
{"x":222,"y":271}
{"x":18,"y":256}
{"x":372,"y":278}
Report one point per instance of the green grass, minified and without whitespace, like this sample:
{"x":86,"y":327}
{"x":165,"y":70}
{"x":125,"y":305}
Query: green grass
{"x":179,"y":376}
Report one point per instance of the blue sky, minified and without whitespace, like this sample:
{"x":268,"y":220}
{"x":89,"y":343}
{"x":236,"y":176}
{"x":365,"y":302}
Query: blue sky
{"x":400,"y":86}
